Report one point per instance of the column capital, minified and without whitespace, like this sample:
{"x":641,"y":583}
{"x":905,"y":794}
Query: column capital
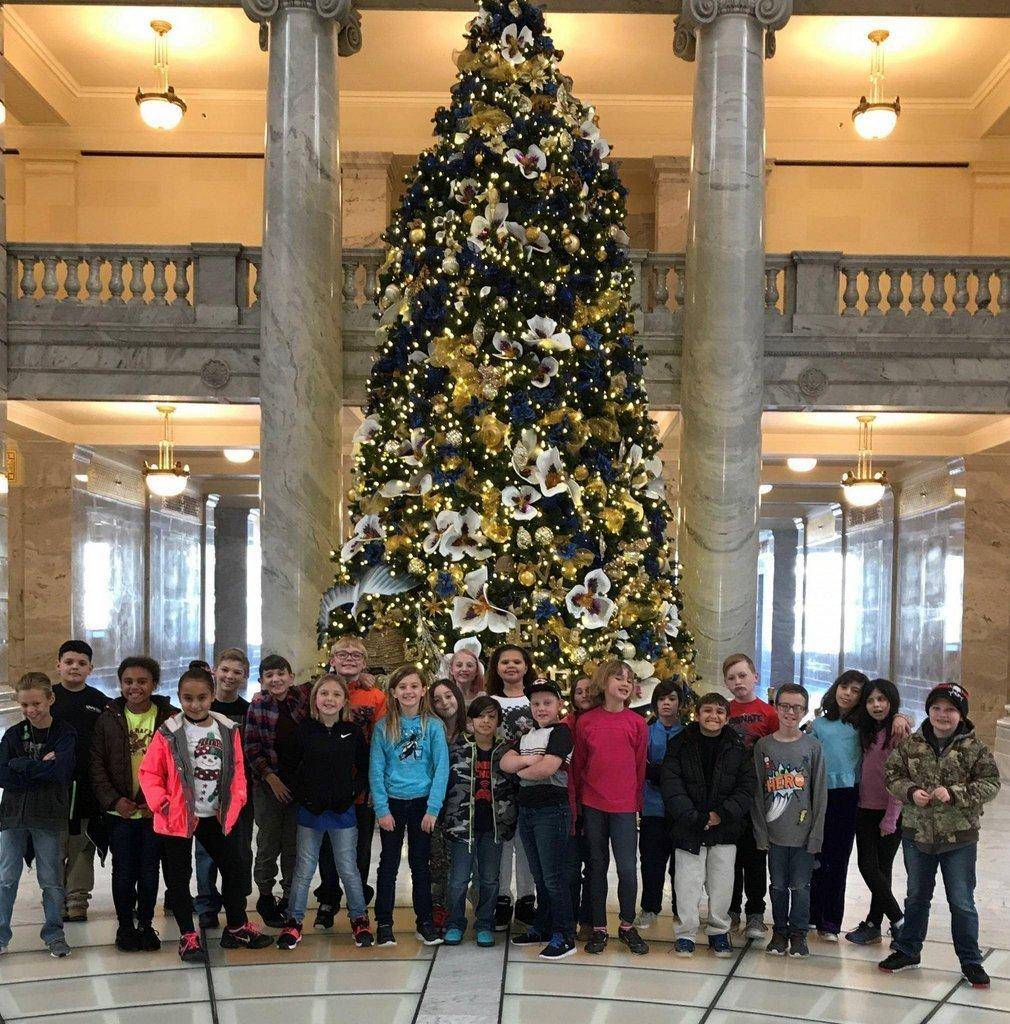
{"x":341,"y":11}
{"x":696,"y":14}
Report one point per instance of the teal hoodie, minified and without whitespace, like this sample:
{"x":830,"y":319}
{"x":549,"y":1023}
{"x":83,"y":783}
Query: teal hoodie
{"x":417,"y":766}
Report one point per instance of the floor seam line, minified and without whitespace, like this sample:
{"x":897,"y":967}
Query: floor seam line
{"x":725,"y":982}
{"x":943,"y":1002}
{"x":210,"y":978}
{"x":504,"y":975}
{"x":424,"y":987}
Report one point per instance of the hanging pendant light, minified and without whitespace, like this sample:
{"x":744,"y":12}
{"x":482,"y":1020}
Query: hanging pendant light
{"x":166,"y":478}
{"x":161,"y":109}
{"x":873,"y":118}
{"x":864,"y":487}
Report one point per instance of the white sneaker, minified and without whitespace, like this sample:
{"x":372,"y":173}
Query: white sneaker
{"x":646,"y":919}
{"x":755,"y":928}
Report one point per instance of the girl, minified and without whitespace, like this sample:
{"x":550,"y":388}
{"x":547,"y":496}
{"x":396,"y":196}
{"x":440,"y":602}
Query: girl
{"x":611,"y":744}
{"x":331,"y":774}
{"x":122,"y":735}
{"x":193,"y":779}
{"x":878,"y":819}
{"x":510,"y":674}
{"x":36,"y":766}
{"x":447,"y":703}
{"x":655,"y":845}
{"x":466,"y":672}
{"x":408,"y":772}
{"x":581,"y":698}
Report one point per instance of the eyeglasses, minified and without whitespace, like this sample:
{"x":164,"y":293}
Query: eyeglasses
{"x":792,"y":709}
{"x":348,"y":656}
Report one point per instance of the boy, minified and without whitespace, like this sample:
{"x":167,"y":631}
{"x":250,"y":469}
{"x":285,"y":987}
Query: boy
{"x":788,"y":816}
{"x":708,"y":788}
{"x":943,"y":773}
{"x":348,"y":659}
{"x":752,"y":718}
{"x":36,"y":767}
{"x":270,"y":725}
{"x":545,"y":820}
{"x":231,"y":675}
{"x":479,"y":815}
{"x":79,"y":705}
{"x":122,"y":736}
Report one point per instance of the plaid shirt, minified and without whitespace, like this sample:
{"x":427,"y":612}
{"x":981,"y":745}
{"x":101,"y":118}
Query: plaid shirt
{"x":261,"y":726}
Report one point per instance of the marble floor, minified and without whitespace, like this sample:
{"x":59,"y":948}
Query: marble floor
{"x":328,"y":979}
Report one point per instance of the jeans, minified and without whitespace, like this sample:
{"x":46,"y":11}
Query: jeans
{"x":655,"y":848}
{"x":136,"y":869}
{"x":208,"y":899}
{"x":545,"y":832}
{"x":48,"y":870}
{"x":328,"y":891}
{"x":78,"y":869}
{"x":277,"y":826}
{"x":486,"y":854}
{"x":178,"y":866}
{"x":620,"y":831}
{"x":712,"y":868}
{"x":876,"y":855}
{"x":407,"y":815}
{"x":827,"y":887}
{"x":343,"y":842}
{"x":750,"y":876}
{"x":579,"y":877}
{"x":958,"y":870}
{"x":790,"y":868}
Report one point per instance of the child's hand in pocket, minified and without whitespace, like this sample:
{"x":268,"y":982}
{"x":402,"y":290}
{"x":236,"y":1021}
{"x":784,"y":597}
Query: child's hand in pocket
{"x":51,"y":756}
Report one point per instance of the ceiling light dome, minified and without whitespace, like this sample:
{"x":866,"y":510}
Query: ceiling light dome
{"x":874,"y":118}
{"x":863,"y":487}
{"x":166,"y":478}
{"x":161,"y":109}
{"x":239,"y":456}
{"x":801,"y":464}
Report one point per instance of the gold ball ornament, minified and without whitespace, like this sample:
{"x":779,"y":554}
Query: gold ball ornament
{"x":544,"y":535}
{"x":571,"y":243}
{"x":417,"y":235}
{"x":416,"y":566}
{"x":450,"y":265}
{"x":601,"y":253}
{"x":532,"y":234}
{"x":478,"y":159}
{"x":527,"y":578}
{"x":524,"y":538}
{"x":454,"y":437}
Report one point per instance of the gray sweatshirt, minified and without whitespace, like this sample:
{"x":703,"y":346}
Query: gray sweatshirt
{"x":791,"y":795}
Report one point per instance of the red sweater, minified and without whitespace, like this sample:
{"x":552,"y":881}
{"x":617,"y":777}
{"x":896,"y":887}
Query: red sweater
{"x":753,"y":720}
{"x":608,"y":763}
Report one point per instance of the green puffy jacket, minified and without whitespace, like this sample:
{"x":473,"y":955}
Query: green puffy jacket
{"x":966,"y":768}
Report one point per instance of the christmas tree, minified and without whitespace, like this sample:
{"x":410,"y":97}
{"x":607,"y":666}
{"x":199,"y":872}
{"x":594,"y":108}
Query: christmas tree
{"x":506,"y":484}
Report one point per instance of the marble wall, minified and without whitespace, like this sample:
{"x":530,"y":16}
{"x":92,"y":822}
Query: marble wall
{"x":868,"y":563}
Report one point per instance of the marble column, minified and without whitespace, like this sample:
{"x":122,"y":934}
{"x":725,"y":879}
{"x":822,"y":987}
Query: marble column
{"x":231,"y":577}
{"x":4,"y":678}
{"x":722,"y":365}
{"x":670,"y":177}
{"x":367,"y":185}
{"x":300,"y":345}
{"x":985,"y":622}
{"x":785,"y":545}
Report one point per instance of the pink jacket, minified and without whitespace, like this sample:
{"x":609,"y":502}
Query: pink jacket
{"x":873,"y":793}
{"x":166,"y":778}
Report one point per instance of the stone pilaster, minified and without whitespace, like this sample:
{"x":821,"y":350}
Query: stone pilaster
{"x":300,"y":345}
{"x":50,"y":205}
{"x":783,"y":667}
{"x":231,"y":577}
{"x":670,"y":180}
{"x":4,"y":678}
{"x":722,"y":366}
{"x":367,"y":186}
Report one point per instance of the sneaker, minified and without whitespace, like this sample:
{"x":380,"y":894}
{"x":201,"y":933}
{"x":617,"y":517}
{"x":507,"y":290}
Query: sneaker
{"x":683,"y":947}
{"x":75,"y":916}
{"x":584,"y":933}
{"x":324,"y":917}
{"x":503,"y":913}
{"x":58,"y":948}
{"x":865,"y":935}
{"x":975,"y":975}
{"x":126,"y":939}
{"x":148,"y":940}
{"x":361,"y":929}
{"x":721,"y":945}
{"x":530,"y":937}
{"x":646,"y":919}
{"x":428,"y":934}
{"x":290,"y":936}
{"x":209,"y":920}
{"x":269,"y":909}
{"x":635,"y":943}
{"x":384,"y":935}
{"x":798,"y":945}
{"x":526,"y":910}
{"x":485,"y":938}
{"x":597,"y":941}
{"x":440,"y":916}
{"x":898,"y":961}
{"x":191,"y":950}
{"x":558,"y":948}
{"x":826,"y":935}
{"x":755,"y":927}
{"x":246,"y":937}
{"x":778,"y":945}
{"x":453,"y":936}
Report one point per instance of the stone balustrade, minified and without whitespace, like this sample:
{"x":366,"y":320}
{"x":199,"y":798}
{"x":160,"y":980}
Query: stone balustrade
{"x":99,"y":321}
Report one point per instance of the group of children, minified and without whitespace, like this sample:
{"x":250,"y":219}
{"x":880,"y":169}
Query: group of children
{"x":490,"y":782}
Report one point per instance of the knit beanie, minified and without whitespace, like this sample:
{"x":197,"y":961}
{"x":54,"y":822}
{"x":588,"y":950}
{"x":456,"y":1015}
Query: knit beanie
{"x":956,"y":694}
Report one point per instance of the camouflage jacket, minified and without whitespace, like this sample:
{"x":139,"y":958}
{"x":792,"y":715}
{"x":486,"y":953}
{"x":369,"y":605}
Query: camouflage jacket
{"x":457,"y":821}
{"x":966,"y":768}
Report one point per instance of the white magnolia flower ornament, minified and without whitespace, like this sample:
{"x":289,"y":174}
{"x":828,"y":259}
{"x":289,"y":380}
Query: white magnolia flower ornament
{"x":367,"y":429}
{"x":545,"y":371}
{"x":474,"y":613}
{"x":589,"y":602}
{"x":412,"y":448}
{"x":420,"y":483}
{"x":465,"y":191}
{"x":504,"y":347}
{"x":521,"y":501}
{"x":543,"y":331}
{"x":670,"y":617}
{"x":531,"y":163}
{"x":513,"y":42}
{"x":366,"y":529}
{"x":494,"y":221}
{"x":549,"y":473}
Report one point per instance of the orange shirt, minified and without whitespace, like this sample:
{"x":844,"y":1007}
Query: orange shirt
{"x":368,"y":705}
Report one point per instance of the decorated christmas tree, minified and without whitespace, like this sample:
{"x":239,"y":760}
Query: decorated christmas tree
{"x":506,"y":483}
